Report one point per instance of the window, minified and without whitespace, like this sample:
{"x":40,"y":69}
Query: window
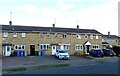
{"x":15,"y":34}
{"x":5,"y":34}
{"x":44,"y":46}
{"x":64,"y":46}
{"x":23,"y":34}
{"x":91,"y":36}
{"x":78,"y":36}
{"x":48,"y":35}
{"x":41,"y":34}
{"x":78,"y":47}
{"x":64,"y":35}
{"x":56,"y":35}
{"x":95,"y":46}
{"x":19,"y":47}
{"x":96,"y":36}
{"x":86,"y":36}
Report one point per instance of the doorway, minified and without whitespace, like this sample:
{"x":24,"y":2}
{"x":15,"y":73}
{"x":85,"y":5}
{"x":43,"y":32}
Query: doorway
{"x":32,"y":50}
{"x":7,"y":50}
{"x":87,"y":48}
{"x":54,"y":48}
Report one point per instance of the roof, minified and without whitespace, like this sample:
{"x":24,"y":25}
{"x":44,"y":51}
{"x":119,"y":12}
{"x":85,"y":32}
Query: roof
{"x":18,"y":28}
{"x":111,"y":36}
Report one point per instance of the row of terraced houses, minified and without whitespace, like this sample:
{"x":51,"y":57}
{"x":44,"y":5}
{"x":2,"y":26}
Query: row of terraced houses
{"x":34,"y":38}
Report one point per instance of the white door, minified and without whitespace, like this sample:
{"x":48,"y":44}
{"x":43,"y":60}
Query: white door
{"x":54,"y":49}
{"x":7,"y":50}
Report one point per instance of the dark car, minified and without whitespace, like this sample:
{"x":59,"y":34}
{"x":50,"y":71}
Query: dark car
{"x":116,"y":49}
{"x":108,"y":52}
{"x":97,"y":53}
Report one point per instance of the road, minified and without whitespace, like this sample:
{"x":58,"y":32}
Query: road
{"x":101,"y":68}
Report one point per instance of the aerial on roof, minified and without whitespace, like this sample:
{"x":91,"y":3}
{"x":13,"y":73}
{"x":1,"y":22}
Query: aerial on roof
{"x":19,"y":28}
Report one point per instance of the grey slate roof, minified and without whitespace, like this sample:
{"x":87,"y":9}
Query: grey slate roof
{"x":111,"y":36}
{"x":19,"y":28}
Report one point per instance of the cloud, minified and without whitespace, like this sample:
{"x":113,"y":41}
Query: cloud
{"x":29,"y":9}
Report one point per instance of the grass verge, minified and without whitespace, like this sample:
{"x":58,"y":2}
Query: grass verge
{"x":15,"y":69}
{"x":49,"y":66}
{"x":35,"y":67}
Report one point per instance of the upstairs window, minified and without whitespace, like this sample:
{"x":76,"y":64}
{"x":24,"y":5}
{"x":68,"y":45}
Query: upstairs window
{"x":91,"y":36}
{"x":56,"y":35}
{"x":96,"y":36}
{"x":5,"y":34}
{"x":78,"y":36}
{"x":41,"y":34}
{"x":64,"y":35}
{"x":48,"y":35}
{"x":86,"y":36}
{"x":23,"y":34}
{"x":15,"y":34}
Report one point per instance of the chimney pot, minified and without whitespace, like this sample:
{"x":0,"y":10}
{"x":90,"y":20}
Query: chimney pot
{"x":108,"y":34}
{"x":77,"y":26}
{"x":10,"y":22}
{"x":53,"y":25}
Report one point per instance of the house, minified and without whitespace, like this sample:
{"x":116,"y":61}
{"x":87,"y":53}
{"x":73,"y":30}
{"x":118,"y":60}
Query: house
{"x":110,"y":40}
{"x":35,"y":38}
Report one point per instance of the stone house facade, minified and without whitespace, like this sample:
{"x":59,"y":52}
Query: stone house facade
{"x":34,"y":38}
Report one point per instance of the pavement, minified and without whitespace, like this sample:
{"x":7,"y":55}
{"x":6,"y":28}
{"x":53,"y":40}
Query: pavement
{"x":30,"y":61}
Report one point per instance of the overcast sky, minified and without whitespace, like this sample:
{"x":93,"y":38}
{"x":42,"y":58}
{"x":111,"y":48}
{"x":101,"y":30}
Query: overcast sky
{"x":101,"y":15}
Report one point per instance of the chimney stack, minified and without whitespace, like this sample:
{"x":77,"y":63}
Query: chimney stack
{"x":54,"y":22}
{"x":77,"y":26}
{"x":10,"y":22}
{"x":53,"y":25}
{"x":108,"y":34}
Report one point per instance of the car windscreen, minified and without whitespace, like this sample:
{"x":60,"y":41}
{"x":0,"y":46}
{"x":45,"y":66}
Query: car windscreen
{"x":97,"y":50}
{"x":62,"y":51}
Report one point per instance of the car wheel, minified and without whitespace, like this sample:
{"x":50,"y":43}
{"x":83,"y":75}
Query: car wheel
{"x":59,"y":58}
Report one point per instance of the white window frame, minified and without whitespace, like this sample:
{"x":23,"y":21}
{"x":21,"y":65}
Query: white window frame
{"x":14,"y":34}
{"x":56,"y":35}
{"x":78,"y":36}
{"x":97,"y":37}
{"x":23,"y":34}
{"x":19,"y":47}
{"x":48,"y":35}
{"x":95,"y":46}
{"x":86,"y":36}
{"x":64,"y":36}
{"x":5,"y":34}
{"x":91,"y":36}
{"x":44,"y":46}
{"x":64,"y":46}
{"x":78,"y":47}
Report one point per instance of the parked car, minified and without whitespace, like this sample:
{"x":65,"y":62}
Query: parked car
{"x":108,"y":52}
{"x":116,"y":49}
{"x":97,"y":53}
{"x":62,"y":54}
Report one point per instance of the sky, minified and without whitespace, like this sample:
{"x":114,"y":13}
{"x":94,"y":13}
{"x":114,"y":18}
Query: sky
{"x":101,"y":15}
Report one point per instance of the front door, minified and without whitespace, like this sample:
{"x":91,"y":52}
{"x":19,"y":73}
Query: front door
{"x":54,"y":48}
{"x":87,"y":49}
{"x":32,"y":50}
{"x":7,"y":50}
